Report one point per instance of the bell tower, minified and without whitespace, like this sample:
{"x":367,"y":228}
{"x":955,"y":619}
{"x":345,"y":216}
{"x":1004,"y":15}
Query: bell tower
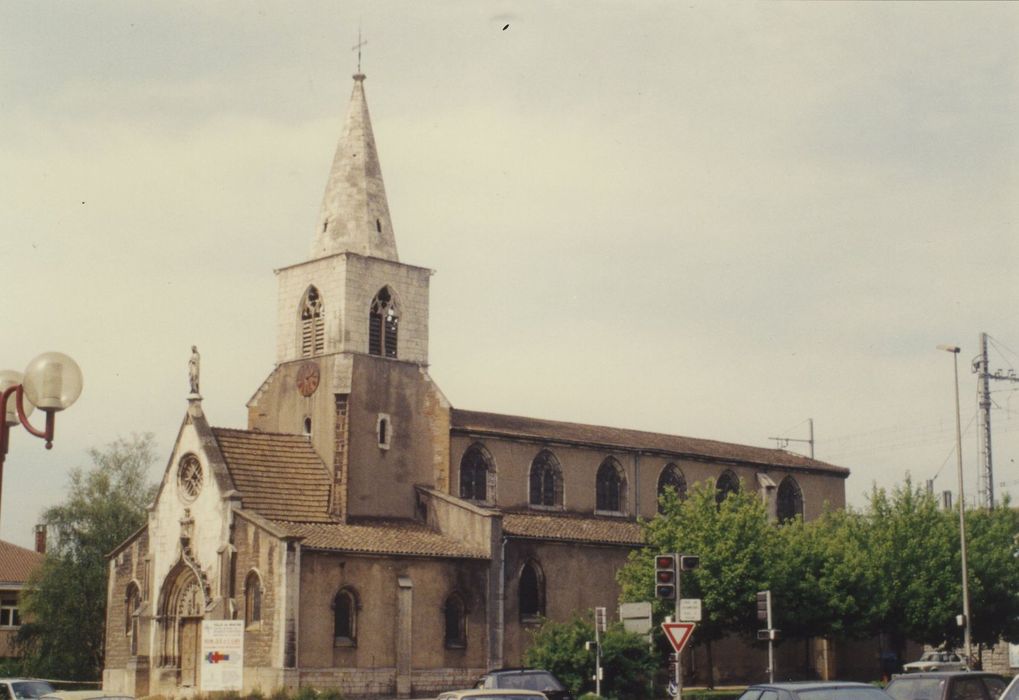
{"x":352,"y":343}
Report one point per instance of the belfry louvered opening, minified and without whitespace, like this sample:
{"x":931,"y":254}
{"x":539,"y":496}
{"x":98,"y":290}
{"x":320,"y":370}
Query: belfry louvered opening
{"x":313,"y":336}
{"x":383,"y":323}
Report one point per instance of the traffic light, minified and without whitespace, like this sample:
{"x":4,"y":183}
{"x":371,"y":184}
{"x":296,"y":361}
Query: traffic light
{"x":665,"y":576}
{"x":763,"y":605}
{"x":688,"y":562}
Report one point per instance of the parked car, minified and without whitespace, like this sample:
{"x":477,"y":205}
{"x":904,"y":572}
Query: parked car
{"x":492,"y":694}
{"x":1012,"y":691}
{"x":84,"y":695}
{"x":946,"y":685}
{"x":22,"y":688}
{"x":937,"y":661}
{"x":525,"y":679}
{"x":814,"y":690}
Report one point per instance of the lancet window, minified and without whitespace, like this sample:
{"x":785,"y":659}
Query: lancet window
{"x":790,"y":500}
{"x":546,"y":480}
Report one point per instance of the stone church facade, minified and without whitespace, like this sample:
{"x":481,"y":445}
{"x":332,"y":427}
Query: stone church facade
{"x":372,"y":537}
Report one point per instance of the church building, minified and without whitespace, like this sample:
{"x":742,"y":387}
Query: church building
{"x":371,"y":536}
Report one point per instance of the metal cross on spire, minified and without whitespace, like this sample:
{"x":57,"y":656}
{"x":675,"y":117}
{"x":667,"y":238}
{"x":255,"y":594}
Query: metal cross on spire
{"x":360,"y":43}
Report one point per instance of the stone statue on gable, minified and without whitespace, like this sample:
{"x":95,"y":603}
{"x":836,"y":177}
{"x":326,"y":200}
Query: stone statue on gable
{"x":193,"y":370}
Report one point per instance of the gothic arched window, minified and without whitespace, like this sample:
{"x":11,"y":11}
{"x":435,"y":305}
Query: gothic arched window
{"x":610,"y":487}
{"x":345,"y":617}
{"x":474,"y":470}
{"x":546,"y":481}
{"x":790,"y":500}
{"x":132,"y":608}
{"x":383,"y":320}
{"x":671,"y":478}
{"x":313,"y":337}
{"x":532,"y":592}
{"x":727,"y":483}
{"x":252,"y":598}
{"x":455,"y":616}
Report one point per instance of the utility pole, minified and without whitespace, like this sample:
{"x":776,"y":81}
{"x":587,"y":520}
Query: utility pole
{"x":782,"y":442}
{"x":982,"y":368}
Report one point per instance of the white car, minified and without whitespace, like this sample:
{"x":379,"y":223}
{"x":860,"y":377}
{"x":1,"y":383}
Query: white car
{"x":492,"y":694}
{"x":937,"y":661}
{"x":23,"y":688}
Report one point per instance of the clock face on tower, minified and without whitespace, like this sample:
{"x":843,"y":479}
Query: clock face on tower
{"x":307,"y":378}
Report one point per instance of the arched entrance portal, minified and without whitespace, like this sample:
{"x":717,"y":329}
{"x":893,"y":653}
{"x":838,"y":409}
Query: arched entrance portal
{"x":182,"y":612}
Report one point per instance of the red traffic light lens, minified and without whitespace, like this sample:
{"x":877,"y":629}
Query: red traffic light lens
{"x":664,"y":563}
{"x":665,"y":577}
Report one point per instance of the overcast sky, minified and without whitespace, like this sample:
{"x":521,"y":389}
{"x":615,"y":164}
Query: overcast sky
{"x":710,"y":220}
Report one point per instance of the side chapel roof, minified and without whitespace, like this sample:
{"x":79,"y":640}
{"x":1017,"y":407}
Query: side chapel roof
{"x":278,"y":475}
{"x":282,"y":479}
{"x":18,"y":563}
{"x":518,"y":427}
{"x":572,"y":528}
{"x":382,"y":536}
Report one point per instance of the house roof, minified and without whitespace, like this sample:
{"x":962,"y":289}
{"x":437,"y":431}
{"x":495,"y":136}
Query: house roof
{"x":18,"y":563}
{"x":381,"y":536}
{"x":518,"y":427}
{"x":278,"y":475}
{"x":572,"y":528}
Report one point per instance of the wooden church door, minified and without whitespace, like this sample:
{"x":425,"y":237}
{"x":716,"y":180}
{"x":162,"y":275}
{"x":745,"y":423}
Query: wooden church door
{"x":190,"y":649}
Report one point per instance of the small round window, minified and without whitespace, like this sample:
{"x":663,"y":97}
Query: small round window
{"x":189,"y":477}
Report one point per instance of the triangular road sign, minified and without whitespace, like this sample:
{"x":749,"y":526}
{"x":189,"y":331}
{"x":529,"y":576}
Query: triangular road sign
{"x":678,"y":633}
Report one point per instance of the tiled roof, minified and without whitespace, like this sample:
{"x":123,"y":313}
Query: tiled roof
{"x":476,"y":422}
{"x":572,"y":528}
{"x":405,"y":537}
{"x":278,"y":475}
{"x":17,"y":563}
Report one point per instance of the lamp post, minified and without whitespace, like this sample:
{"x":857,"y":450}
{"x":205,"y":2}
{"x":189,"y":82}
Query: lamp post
{"x":51,"y":383}
{"x":967,"y":637}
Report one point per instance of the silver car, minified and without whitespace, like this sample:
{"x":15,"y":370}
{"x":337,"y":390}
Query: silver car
{"x":937,"y":661}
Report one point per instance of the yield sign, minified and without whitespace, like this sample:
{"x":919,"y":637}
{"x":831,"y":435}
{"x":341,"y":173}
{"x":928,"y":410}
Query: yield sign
{"x":678,"y":633}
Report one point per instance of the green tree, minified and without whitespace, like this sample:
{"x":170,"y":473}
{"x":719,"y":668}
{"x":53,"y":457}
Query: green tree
{"x":823,"y":578}
{"x":735,"y":542}
{"x":914,"y":545}
{"x":993,"y":572}
{"x":627,"y":663}
{"x":65,"y":603}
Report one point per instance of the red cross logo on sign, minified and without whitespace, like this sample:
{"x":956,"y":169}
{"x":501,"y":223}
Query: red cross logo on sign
{"x":678,"y":633}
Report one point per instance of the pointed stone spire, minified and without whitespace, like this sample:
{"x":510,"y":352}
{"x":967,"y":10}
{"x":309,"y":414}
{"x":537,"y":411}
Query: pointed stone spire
{"x":355,"y":212}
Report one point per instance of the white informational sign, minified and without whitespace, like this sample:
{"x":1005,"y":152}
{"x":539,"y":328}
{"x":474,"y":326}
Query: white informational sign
{"x":222,"y":655}
{"x":1013,"y":655}
{"x":636,"y":617}
{"x":690,"y":610}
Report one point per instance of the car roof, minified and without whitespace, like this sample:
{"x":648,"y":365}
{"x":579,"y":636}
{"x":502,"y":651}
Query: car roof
{"x":494,"y":691}
{"x":18,"y":679}
{"x":943,"y":674}
{"x":812,"y":685}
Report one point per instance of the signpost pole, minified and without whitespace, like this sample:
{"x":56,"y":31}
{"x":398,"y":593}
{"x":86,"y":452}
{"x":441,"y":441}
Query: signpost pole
{"x":679,"y":653}
{"x":771,"y":644}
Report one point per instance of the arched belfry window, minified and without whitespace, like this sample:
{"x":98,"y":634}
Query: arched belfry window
{"x":475,"y":467}
{"x":531,"y":592}
{"x":455,"y":616}
{"x":313,"y":336}
{"x":345,"y":617}
{"x":383,"y":321}
{"x":790,"y":500}
{"x":727,"y":483}
{"x":672,"y":479}
{"x":610,"y":487}
{"x":546,"y":480}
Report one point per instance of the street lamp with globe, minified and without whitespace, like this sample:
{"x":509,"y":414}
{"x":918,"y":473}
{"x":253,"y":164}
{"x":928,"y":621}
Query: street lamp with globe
{"x":51,"y":383}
